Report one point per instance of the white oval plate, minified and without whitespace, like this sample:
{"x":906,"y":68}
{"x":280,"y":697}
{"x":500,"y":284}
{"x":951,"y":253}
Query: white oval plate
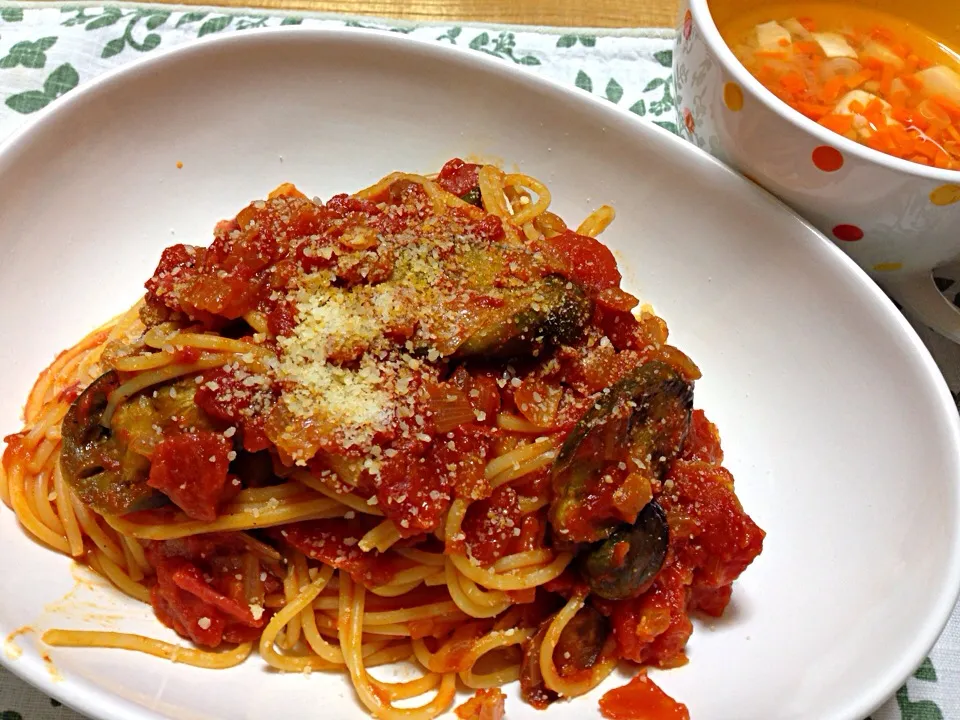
{"x":835,"y":420}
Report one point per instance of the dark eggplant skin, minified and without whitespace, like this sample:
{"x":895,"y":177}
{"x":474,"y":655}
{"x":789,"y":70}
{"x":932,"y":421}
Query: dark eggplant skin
{"x":95,"y":461}
{"x":549,"y":311}
{"x":579,"y":647}
{"x":473,"y":197}
{"x":533,"y":689}
{"x":581,"y":642}
{"x":641,"y":420}
{"x":626,"y":563}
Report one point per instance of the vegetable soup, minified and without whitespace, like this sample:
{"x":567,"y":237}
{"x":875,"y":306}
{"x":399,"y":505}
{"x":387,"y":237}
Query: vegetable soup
{"x":867,"y":75}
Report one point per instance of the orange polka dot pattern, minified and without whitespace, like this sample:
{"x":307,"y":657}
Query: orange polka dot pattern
{"x":945,"y":195}
{"x":733,"y":96}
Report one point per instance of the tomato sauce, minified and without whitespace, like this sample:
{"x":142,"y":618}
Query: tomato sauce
{"x":458,"y":177}
{"x":222,"y":395}
{"x":493,"y":526}
{"x":334,"y":542}
{"x":191,"y":469}
{"x":641,"y":699}
{"x":588,"y":260}
{"x":486,"y":704}
{"x":197,"y":592}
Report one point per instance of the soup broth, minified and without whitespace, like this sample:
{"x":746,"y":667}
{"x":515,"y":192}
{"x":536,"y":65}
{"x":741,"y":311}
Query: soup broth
{"x":867,"y":75}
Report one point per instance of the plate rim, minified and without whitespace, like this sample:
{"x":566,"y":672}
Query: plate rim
{"x":89,"y":699}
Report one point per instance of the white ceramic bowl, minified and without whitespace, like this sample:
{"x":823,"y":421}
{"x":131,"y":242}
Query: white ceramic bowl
{"x":838,"y":426}
{"x":897,"y":219}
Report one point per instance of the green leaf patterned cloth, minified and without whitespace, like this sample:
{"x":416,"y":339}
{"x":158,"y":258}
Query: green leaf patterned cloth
{"x":48,"y":49}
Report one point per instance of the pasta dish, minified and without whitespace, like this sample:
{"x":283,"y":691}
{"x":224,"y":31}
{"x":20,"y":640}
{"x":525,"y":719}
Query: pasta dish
{"x":422,"y":422}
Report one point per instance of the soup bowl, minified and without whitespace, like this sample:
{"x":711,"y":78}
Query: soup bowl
{"x":897,"y":219}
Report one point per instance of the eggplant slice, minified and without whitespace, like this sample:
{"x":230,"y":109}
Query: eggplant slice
{"x":642,"y":420}
{"x":578,"y":648}
{"x":97,"y":462}
{"x":626,"y":563}
{"x":549,"y":311}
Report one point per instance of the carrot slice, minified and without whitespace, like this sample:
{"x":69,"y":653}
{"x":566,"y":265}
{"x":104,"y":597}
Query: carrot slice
{"x":767,"y":75}
{"x":901,"y":50}
{"x":950,"y":107}
{"x":880,"y":141}
{"x":901,"y":139}
{"x":928,"y":149}
{"x":832,"y":88}
{"x":911,"y":81}
{"x":857,"y":79}
{"x":919,"y":121}
{"x":793,"y":82}
{"x":840,"y":124}
{"x":874,"y":113}
{"x":898,"y":99}
{"x":886,"y":78}
{"x":889,"y":146}
{"x":813,"y":111}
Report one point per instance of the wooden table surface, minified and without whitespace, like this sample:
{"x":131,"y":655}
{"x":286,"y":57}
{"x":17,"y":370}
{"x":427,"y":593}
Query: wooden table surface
{"x":569,"y":13}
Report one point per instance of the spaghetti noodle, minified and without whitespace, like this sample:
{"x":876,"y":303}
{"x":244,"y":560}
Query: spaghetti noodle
{"x":421,"y":422}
